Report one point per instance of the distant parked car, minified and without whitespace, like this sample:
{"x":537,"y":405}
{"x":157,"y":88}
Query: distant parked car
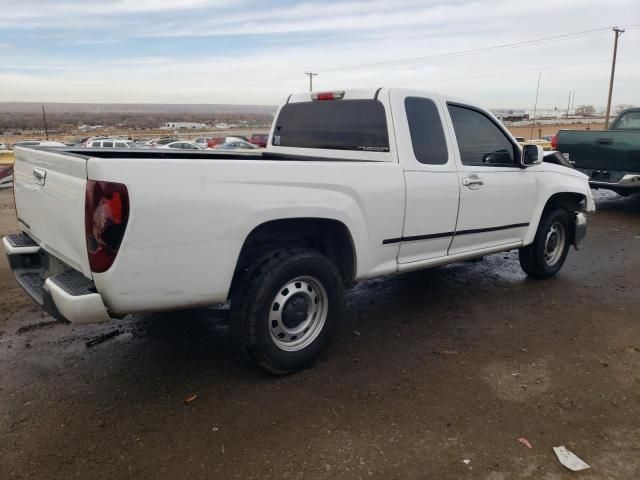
{"x":39,"y":143}
{"x":546,"y":146}
{"x":202,"y":141}
{"x":156,"y":142}
{"x":259,"y":139}
{"x":215,"y":141}
{"x":236,"y":145}
{"x":3,"y":146}
{"x":183,"y":145}
{"x":6,"y":176}
{"x":112,"y":143}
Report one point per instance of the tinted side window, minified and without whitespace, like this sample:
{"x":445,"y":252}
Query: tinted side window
{"x":95,"y":144}
{"x":333,"y":124}
{"x":480,"y":140}
{"x":107,"y":144}
{"x":427,"y":135}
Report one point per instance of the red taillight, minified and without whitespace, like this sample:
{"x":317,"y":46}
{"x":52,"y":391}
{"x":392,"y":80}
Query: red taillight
{"x":106,"y":212}
{"x":554,"y":142}
{"x":327,"y":95}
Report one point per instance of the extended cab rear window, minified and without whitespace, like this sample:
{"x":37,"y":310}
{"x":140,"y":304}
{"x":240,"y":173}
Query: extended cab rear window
{"x":333,"y":124}
{"x":628,"y":121}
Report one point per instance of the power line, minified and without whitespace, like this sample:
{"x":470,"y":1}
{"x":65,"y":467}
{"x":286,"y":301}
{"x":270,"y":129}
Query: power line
{"x":469,"y":52}
{"x":522,"y":71}
{"x":512,"y":45}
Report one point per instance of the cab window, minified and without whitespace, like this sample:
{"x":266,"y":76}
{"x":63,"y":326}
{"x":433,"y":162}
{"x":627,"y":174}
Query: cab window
{"x":425,"y":127}
{"x":333,"y":125}
{"x":480,"y":140}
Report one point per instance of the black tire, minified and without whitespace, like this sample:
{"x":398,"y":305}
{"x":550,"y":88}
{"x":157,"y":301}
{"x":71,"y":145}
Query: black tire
{"x":254,"y":303}
{"x":534,"y":258}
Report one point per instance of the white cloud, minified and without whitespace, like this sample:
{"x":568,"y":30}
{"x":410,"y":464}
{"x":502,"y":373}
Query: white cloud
{"x":330,"y":36}
{"x":64,"y":13}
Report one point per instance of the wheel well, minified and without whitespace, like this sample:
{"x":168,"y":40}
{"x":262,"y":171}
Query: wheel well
{"x":567,"y":200}
{"x":329,"y":237}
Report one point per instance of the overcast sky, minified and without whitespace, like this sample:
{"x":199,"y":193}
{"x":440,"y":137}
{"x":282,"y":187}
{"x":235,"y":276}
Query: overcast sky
{"x":256,"y":52}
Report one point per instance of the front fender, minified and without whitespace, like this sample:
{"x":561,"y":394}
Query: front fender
{"x":553,"y":181}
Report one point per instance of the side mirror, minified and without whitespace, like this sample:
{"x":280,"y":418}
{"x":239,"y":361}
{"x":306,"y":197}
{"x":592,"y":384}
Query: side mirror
{"x":499,"y":157}
{"x":531,"y":155}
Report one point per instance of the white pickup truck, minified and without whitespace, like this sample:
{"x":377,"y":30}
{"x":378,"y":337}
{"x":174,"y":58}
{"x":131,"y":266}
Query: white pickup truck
{"x":353,"y":184}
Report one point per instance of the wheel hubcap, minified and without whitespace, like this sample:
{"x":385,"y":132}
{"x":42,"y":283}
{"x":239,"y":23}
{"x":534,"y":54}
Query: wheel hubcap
{"x":554,"y":244}
{"x":295,"y":311}
{"x":298,"y":313}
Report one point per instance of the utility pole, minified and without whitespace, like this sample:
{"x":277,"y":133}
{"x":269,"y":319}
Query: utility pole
{"x":44,"y":118}
{"x":535,"y":105}
{"x":311,"y":75}
{"x":617,"y":32}
{"x":568,"y":104}
{"x":573,"y":101}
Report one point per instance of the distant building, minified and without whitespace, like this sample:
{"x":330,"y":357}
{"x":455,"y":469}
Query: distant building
{"x":183,"y":126}
{"x":89,"y":128}
{"x":510,"y":115}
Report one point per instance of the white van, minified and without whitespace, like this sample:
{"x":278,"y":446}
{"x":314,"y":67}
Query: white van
{"x":111,"y":143}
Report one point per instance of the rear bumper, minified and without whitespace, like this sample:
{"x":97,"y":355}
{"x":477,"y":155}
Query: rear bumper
{"x":613,"y":179}
{"x":64,"y":293}
{"x":629,"y":181}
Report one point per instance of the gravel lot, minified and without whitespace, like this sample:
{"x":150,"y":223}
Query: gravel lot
{"x":430,"y":369}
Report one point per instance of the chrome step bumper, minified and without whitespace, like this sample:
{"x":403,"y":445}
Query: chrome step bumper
{"x":66,"y":294}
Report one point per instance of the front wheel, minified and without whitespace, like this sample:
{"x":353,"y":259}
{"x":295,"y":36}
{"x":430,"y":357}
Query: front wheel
{"x":548,"y":252}
{"x":288,"y":310}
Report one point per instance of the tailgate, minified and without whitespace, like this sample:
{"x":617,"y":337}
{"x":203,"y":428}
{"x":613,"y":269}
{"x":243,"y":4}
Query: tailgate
{"x":602,"y":150}
{"x":50,"y":192}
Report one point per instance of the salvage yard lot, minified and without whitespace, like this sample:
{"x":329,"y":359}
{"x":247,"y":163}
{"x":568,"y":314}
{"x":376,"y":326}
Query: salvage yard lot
{"x":429,"y":369}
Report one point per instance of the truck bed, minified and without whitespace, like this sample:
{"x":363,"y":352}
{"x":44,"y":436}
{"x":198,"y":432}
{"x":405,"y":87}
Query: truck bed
{"x":212,"y":154}
{"x":154,"y":153}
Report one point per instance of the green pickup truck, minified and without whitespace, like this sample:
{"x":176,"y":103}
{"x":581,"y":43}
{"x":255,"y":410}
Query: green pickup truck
{"x":611,"y":157}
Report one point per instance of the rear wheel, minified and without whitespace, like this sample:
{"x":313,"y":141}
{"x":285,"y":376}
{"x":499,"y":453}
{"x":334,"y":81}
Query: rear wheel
{"x":287,"y":310}
{"x":548,"y":252}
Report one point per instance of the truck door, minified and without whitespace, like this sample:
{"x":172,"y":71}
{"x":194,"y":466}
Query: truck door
{"x":496,"y":196}
{"x":431,"y":178}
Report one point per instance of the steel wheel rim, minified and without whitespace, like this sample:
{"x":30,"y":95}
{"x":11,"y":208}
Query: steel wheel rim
{"x":554,"y":244}
{"x":287,"y":306}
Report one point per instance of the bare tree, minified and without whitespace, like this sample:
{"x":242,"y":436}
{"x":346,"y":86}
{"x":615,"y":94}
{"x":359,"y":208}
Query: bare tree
{"x":585,"y":110}
{"x":619,"y":108}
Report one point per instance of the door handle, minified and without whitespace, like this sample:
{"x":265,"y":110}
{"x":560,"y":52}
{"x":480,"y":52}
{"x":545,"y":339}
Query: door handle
{"x":467,"y":182}
{"x":604,"y":141}
{"x":40,"y":174}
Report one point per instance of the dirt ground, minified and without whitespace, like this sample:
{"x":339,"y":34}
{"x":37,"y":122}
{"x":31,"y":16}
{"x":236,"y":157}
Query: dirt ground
{"x":430,"y":369}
